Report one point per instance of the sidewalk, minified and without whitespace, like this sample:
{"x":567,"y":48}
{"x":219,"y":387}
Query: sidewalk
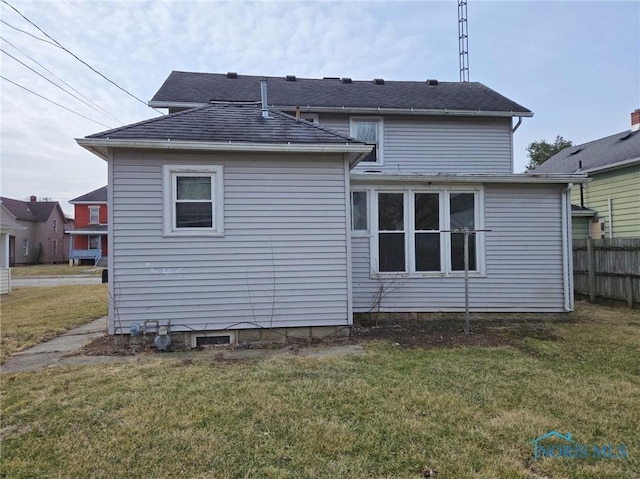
{"x":53,"y":352}
{"x":62,"y":351}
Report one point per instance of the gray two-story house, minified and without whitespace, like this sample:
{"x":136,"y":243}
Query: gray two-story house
{"x":286,"y":205}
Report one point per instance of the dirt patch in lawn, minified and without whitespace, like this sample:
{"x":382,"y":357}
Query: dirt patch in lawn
{"x":425,"y":334}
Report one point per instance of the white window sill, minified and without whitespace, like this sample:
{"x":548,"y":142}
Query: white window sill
{"x":472,"y":274}
{"x":186,"y":234}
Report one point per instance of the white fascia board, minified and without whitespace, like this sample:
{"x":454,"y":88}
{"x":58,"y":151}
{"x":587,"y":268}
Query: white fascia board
{"x":363,"y":110}
{"x":99,"y":146}
{"x":584,"y":213}
{"x":613,"y":166}
{"x":422,"y":178}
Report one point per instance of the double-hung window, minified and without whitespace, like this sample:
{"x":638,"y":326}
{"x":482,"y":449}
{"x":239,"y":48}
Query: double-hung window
{"x":422,"y":231}
{"x":94,"y":215}
{"x":193,"y":200}
{"x":25,"y":247}
{"x":369,"y":130}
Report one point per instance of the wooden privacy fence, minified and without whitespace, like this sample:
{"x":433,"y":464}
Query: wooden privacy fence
{"x":607,"y":270}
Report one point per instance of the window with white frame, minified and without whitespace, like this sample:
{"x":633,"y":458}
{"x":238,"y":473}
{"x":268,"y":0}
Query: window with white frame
{"x":359,"y":211}
{"x":369,"y":130}
{"x":193,"y":199}
{"x":55,"y":247}
{"x":54,"y":225}
{"x":94,"y":215}
{"x":25,"y":247}
{"x":416,"y":231}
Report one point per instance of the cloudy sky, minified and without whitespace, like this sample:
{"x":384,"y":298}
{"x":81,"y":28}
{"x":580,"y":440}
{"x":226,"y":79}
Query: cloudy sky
{"x":576,"y":64}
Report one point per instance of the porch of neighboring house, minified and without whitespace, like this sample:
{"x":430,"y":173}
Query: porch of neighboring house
{"x":88,"y":245}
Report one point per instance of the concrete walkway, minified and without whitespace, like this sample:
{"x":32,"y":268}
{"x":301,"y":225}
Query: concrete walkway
{"x":63,"y":351}
{"x":52,"y":352}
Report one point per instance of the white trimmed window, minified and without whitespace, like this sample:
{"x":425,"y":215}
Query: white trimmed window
{"x":94,"y":215}
{"x":54,"y":225}
{"x":359,"y":211}
{"x":413,"y":231}
{"x":94,"y":241}
{"x":25,"y":247}
{"x":193,"y":200}
{"x":369,"y":130}
{"x":55,"y":247}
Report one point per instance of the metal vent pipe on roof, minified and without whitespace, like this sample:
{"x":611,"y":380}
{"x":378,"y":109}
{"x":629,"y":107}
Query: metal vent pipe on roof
{"x":263,"y":95}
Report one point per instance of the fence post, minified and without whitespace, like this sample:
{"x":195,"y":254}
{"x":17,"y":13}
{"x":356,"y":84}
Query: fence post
{"x":629,"y":288}
{"x":591,"y":270}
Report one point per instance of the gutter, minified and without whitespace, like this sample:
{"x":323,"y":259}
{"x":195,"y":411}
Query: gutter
{"x":354,"y":151}
{"x":358,"y":177}
{"x":362,"y":110}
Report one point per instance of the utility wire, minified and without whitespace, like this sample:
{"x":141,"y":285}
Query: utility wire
{"x":51,"y":101}
{"x":30,"y":34}
{"x":75,"y":56}
{"x":56,"y":76}
{"x":50,"y":81}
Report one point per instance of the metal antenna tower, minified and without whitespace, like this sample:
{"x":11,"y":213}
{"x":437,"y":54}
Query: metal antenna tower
{"x":463,"y":40}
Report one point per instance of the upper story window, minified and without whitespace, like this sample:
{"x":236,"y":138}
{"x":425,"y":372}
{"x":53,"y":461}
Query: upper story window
{"x":193,"y":200}
{"x":369,"y":130}
{"x":94,"y":215}
{"x":54,"y":225}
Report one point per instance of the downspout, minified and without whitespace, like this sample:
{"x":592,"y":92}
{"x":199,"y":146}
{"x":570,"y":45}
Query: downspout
{"x":610,"y":205}
{"x":567,"y":257}
{"x":513,"y":130}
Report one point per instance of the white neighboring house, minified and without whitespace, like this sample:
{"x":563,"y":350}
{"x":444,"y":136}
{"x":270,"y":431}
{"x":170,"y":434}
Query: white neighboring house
{"x":8,"y":227}
{"x":224,"y":222}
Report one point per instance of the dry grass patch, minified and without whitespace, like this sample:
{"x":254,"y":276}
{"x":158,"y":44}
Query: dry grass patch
{"x":467,"y":412}
{"x":53,"y":270}
{"x":32,"y":315}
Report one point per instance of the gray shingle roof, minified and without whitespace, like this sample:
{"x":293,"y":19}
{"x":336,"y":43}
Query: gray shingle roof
{"x":594,"y":154}
{"x":99,"y":196}
{"x":187,"y":87}
{"x":227,"y":122}
{"x":37,"y":211}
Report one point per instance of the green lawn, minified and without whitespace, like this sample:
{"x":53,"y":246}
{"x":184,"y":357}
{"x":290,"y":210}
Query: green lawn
{"x":467,"y":412}
{"x":53,"y":270}
{"x":32,"y":315}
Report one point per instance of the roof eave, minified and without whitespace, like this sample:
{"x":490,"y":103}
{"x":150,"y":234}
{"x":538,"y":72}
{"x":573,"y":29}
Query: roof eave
{"x":614,"y":166}
{"x":468,"y":178}
{"x":363,"y":110}
{"x":99,"y":146}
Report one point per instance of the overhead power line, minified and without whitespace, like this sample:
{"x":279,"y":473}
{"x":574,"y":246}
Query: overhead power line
{"x":75,"y":56}
{"x":52,"y":82}
{"x":30,"y":34}
{"x":60,"y":79}
{"x":51,"y":101}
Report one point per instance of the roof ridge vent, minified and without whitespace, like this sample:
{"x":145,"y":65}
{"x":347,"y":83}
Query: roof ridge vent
{"x":331,"y":78}
{"x":232,"y":74}
{"x":575,"y":152}
{"x":346,"y":80}
{"x":378,"y":81}
{"x":432,"y":82}
{"x":290,"y":78}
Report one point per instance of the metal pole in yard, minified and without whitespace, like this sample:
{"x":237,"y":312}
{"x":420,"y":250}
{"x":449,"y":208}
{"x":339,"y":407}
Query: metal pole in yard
{"x":466,"y":281}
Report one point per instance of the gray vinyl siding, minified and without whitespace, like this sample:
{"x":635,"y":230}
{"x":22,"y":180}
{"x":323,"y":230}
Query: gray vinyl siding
{"x":432,"y":145}
{"x":281,"y":263}
{"x":523,"y":262}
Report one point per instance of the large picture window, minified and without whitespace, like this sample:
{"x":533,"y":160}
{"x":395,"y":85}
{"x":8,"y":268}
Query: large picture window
{"x":417,"y":231}
{"x":193,"y":200}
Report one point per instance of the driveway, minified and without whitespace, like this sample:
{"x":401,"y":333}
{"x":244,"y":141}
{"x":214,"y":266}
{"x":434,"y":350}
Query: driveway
{"x":34,"y":282}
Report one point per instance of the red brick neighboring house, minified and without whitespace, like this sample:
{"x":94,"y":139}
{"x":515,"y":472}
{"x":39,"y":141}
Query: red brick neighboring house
{"x":89,"y":233}
{"x":38,"y":235}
